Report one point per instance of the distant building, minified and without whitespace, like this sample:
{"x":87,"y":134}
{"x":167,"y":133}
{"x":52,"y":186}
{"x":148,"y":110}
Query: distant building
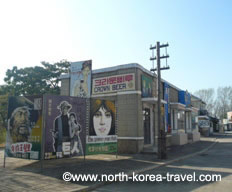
{"x":207,"y":124}
{"x":227,"y":123}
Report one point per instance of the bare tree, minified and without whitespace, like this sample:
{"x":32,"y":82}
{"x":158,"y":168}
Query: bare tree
{"x":224,"y":101}
{"x":207,"y":95}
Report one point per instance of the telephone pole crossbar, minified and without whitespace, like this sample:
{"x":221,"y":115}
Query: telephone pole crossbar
{"x":162,"y":68}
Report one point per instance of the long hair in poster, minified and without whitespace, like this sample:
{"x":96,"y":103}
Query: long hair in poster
{"x":102,"y":132}
{"x":102,"y":122}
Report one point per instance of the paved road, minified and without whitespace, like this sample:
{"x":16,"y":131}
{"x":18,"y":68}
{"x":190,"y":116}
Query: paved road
{"x":218,"y":160}
{"x":26,"y":175}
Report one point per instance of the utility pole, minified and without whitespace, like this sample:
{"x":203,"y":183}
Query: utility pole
{"x":162,"y":152}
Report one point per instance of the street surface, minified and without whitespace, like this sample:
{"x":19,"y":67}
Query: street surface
{"x":218,"y":160}
{"x":26,"y":175}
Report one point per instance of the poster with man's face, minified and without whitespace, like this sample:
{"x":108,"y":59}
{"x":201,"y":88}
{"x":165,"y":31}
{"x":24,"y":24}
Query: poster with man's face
{"x":24,"y":131}
{"x":65,"y":126}
{"x":102,"y":136}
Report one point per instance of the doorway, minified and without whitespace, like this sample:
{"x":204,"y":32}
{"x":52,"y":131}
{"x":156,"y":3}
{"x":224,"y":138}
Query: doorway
{"x":147,"y":125}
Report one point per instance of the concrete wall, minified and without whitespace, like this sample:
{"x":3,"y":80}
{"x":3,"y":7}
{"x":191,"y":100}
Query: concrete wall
{"x":129,"y":115}
{"x":65,"y":87}
{"x":130,"y":122}
{"x":173,"y":95}
{"x":129,"y":146}
{"x":179,"y":139}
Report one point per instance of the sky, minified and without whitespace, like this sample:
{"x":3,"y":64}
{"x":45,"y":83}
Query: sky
{"x":114,"y":32}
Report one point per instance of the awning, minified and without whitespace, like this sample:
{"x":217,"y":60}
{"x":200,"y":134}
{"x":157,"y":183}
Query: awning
{"x":194,"y":109}
{"x":182,"y":107}
{"x":203,"y":117}
{"x":178,"y":106}
{"x":153,"y":100}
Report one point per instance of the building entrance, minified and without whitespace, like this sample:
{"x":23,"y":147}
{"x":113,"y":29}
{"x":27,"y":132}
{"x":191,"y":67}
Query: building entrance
{"x":147,"y":126}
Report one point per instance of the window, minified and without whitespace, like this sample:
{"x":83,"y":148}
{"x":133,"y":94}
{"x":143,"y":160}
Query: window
{"x":181,"y":119}
{"x":174,"y":120}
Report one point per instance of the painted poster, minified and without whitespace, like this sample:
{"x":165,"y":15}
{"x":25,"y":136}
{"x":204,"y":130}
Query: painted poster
{"x":65,"y":126}
{"x":80,"y":81}
{"x":24,"y":132}
{"x":146,"y":85}
{"x":115,"y":83}
{"x":166,"y":114}
{"x":102,"y":136}
{"x":184,"y":97}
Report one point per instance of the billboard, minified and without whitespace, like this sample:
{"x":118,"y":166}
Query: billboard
{"x":80,"y":79}
{"x":184,"y":97}
{"x":146,"y":85}
{"x":102,"y":136}
{"x":115,"y":83}
{"x":65,"y":126}
{"x":24,"y":131}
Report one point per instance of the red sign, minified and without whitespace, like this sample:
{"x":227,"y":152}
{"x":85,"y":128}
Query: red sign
{"x":114,"y":83}
{"x":21,"y":147}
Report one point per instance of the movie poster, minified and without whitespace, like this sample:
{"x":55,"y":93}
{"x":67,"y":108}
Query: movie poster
{"x":24,"y":131}
{"x":80,"y":81}
{"x":65,"y":126}
{"x":102,"y":136}
{"x":146,"y":84}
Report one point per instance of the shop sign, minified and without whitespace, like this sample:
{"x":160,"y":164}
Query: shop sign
{"x":116,"y":83}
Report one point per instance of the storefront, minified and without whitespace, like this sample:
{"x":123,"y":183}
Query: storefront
{"x":134,"y":91}
{"x":181,"y":118}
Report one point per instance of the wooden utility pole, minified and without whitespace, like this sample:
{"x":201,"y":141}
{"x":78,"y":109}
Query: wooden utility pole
{"x":162,"y":152}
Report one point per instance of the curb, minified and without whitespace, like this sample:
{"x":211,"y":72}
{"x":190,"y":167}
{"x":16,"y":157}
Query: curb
{"x":95,"y":186}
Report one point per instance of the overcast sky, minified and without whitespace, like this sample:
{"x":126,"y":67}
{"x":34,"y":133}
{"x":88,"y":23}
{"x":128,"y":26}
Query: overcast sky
{"x":113,"y":32}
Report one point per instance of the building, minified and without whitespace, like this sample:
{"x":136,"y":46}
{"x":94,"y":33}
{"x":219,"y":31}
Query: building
{"x":227,"y":123}
{"x":206,"y":123}
{"x":134,"y":89}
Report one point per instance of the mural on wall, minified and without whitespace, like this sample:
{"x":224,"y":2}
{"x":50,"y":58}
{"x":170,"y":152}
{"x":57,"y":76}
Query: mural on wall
{"x":184,"y":97}
{"x":116,"y":83}
{"x":146,"y":85}
{"x":187,"y":99}
{"x":65,"y":126}
{"x":24,"y":131}
{"x":167,"y":121}
{"x":102,"y":136}
{"x":80,"y":79}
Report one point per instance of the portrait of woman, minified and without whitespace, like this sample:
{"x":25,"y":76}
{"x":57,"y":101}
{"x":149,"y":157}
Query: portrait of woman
{"x":102,"y":118}
{"x":81,"y":86}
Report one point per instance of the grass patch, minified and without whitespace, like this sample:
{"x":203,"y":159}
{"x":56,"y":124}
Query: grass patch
{"x":2,"y":137}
